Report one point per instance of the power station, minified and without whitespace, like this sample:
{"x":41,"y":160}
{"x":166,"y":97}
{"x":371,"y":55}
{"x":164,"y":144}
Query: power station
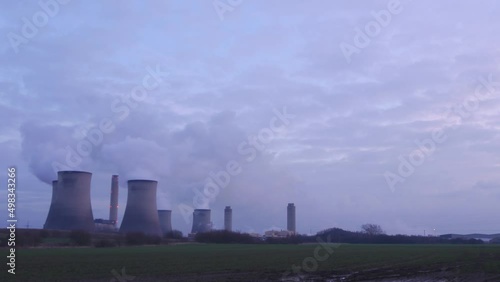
{"x":141,"y":214}
{"x":165,"y":217}
{"x":201,"y":221}
{"x":71,"y":208}
{"x":228,"y":219}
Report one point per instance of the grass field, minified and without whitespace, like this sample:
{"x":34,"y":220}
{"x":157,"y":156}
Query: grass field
{"x":200,"y":262}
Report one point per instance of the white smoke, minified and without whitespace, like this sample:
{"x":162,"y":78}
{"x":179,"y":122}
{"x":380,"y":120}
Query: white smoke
{"x":180,"y":159}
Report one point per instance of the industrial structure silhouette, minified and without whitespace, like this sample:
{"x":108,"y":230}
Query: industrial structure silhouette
{"x":71,"y":208}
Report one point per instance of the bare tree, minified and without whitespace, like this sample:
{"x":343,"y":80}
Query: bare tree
{"x":372,"y":229}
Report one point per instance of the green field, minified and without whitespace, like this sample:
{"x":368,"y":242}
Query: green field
{"x":200,"y":262}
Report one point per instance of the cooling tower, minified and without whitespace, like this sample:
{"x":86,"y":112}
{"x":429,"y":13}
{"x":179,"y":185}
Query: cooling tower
{"x":228,"y":219}
{"x":165,"y":217}
{"x":141,"y":214}
{"x":201,"y":221}
{"x":71,"y":208}
{"x":113,"y":205}
{"x":53,"y":210}
{"x":290,"y":222}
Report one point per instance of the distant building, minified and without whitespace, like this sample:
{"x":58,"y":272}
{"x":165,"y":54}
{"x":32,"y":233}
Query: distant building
{"x":278,"y":234}
{"x":105,"y":225}
{"x":255,"y":235}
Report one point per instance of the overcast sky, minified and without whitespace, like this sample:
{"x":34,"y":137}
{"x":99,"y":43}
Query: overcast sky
{"x":362,"y":83}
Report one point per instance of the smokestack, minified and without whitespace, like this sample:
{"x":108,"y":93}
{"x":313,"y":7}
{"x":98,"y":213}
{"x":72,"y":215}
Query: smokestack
{"x":201,"y":221}
{"x":141,"y":214}
{"x":71,"y":208}
{"x":290,"y":223}
{"x":228,"y":219}
{"x":113,"y":205}
{"x":165,"y":217}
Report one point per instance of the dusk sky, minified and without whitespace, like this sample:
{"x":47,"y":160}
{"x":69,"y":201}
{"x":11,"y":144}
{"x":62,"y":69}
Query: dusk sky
{"x":380,"y":112}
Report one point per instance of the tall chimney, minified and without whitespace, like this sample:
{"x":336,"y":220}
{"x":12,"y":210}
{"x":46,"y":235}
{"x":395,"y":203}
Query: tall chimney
{"x":113,"y":205}
{"x":290,"y":223}
{"x":228,"y":219}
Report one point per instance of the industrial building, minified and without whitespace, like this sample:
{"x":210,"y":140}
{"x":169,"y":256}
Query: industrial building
{"x":104,"y":225}
{"x":70,"y":208}
{"x":141,"y":214}
{"x":278,"y":234}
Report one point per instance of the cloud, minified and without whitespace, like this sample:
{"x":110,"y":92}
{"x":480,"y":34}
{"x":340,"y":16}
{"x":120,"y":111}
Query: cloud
{"x":352,"y":121}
